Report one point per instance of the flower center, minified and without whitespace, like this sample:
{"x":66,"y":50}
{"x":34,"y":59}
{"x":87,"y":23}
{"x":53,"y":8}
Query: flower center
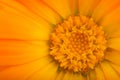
{"x":78,"y":44}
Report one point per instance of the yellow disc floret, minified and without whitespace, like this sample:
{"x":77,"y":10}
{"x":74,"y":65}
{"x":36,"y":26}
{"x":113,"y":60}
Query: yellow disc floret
{"x":78,"y":44}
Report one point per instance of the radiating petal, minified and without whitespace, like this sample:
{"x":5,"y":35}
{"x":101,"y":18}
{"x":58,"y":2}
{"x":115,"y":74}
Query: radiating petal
{"x":14,"y":52}
{"x":113,"y":56}
{"x":104,"y":8}
{"x":41,"y":10}
{"x":72,"y":76}
{"x":60,"y":75}
{"x":19,"y":26}
{"x":86,"y":7}
{"x":92,"y":75}
{"x":67,"y":76}
{"x":116,"y":68}
{"x":79,"y":77}
{"x":112,"y":18}
{"x":114,"y":43}
{"x":111,"y":23}
{"x":99,"y":73}
{"x":74,"y":6}
{"x":22,"y":72}
{"x":109,"y":72}
{"x":60,"y":6}
{"x":47,"y":73}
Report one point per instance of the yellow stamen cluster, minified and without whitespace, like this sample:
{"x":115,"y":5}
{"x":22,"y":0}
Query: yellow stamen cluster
{"x":78,"y":44}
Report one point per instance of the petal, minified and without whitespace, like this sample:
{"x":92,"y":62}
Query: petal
{"x":74,"y":6}
{"x":79,"y":77}
{"x":109,"y":72}
{"x":41,"y":10}
{"x":4,"y":67}
{"x":92,"y":75}
{"x":19,"y":52}
{"x":60,"y":75}
{"x":112,"y":18}
{"x":67,"y":76}
{"x":19,"y":26}
{"x":113,"y":56}
{"x":99,"y":73}
{"x":116,"y":68}
{"x":22,"y":72}
{"x":114,"y":43}
{"x":72,"y":76}
{"x":111,"y":23}
{"x":86,"y":7}
{"x":47,"y":73}
{"x":102,"y":9}
{"x":62,"y":7}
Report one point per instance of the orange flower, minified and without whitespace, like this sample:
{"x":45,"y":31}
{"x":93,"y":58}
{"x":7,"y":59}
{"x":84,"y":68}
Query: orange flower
{"x":59,"y":39}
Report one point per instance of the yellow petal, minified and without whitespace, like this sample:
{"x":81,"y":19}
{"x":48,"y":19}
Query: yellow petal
{"x":102,"y":9}
{"x":79,"y":77}
{"x":99,"y":73}
{"x":46,"y":73}
{"x":74,"y":6}
{"x":17,"y":25}
{"x":14,"y":52}
{"x":22,"y":72}
{"x":112,"y":18}
{"x":116,"y":68}
{"x":41,"y":10}
{"x":109,"y":72}
{"x":113,"y":56}
{"x":62,"y":7}
{"x":86,"y":7}
{"x":67,"y":76}
{"x":4,"y":67}
{"x":92,"y":75}
{"x":111,"y":23}
{"x":112,"y":31}
{"x":114,"y":43}
{"x":60,"y":75}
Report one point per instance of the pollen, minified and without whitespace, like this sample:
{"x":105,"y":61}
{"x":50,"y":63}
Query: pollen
{"x":78,"y":44}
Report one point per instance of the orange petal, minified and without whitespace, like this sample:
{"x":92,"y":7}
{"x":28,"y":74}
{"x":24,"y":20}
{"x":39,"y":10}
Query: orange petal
{"x":111,"y":23}
{"x":99,"y":73}
{"x":19,"y":26}
{"x":78,"y":77}
{"x":67,"y":76}
{"x":47,"y":73}
{"x":109,"y":72}
{"x":86,"y":7}
{"x":62,"y":7}
{"x":13,"y":52}
{"x":116,"y":68}
{"x":112,"y":18}
{"x":60,"y":75}
{"x":72,"y":77}
{"x":114,"y":43}
{"x":113,"y":56}
{"x":74,"y":6}
{"x":22,"y":72}
{"x":91,"y":75}
{"x":102,"y":9}
{"x":41,"y":10}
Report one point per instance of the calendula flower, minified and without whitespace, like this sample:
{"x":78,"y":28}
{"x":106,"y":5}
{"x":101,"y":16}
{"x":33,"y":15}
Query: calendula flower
{"x":59,"y":39}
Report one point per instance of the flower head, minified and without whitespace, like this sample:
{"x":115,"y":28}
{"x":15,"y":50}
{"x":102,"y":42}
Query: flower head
{"x":59,"y":40}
